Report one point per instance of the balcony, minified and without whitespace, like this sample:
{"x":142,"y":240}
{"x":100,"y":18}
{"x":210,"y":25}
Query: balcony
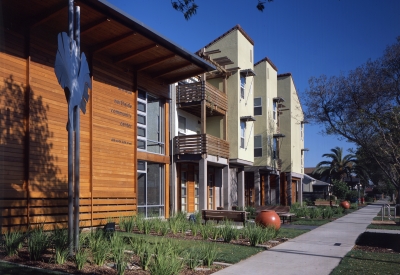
{"x":189,"y":97}
{"x":201,"y":144}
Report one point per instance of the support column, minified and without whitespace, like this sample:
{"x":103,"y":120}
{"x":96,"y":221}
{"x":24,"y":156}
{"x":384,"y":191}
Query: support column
{"x":257,"y":188}
{"x":267,"y":190}
{"x":300,"y":192}
{"x":227,"y":188}
{"x":277,"y":189}
{"x":203,"y":184}
{"x":240,"y":187}
{"x":219,"y":190}
{"x":289,"y":189}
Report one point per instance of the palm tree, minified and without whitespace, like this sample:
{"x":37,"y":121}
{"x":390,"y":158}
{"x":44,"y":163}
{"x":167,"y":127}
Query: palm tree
{"x":338,"y":167}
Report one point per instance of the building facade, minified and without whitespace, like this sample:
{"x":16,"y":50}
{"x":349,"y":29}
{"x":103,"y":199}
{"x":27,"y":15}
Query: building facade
{"x":125,"y":149}
{"x":292,"y":147}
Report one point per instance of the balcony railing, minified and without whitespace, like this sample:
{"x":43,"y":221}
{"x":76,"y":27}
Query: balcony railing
{"x":189,"y":96}
{"x":201,"y":144}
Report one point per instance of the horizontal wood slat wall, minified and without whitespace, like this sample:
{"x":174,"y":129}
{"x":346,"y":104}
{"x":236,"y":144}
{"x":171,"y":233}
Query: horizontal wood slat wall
{"x":108,"y":166}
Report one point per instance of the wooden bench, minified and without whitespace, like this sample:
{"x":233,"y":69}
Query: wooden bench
{"x":220,"y":215}
{"x":282,"y":211}
{"x":324,"y":203}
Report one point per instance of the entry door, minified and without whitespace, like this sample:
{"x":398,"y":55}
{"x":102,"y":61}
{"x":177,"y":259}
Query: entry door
{"x":211,"y":188}
{"x":189,"y":187}
{"x":249,"y":194}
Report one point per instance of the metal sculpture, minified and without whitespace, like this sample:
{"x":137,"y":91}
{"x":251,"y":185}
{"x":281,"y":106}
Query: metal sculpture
{"x":72,"y":71}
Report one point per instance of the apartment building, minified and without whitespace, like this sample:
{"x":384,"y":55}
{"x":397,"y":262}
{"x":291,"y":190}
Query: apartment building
{"x":292,"y":144}
{"x":262,"y":179}
{"x":215,"y":127}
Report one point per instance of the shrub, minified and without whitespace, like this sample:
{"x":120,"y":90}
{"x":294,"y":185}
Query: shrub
{"x":127,"y":223}
{"x":37,"y":242}
{"x":227,"y":231}
{"x":258,"y":234}
{"x":81,"y":257}
{"x":13,"y":242}
{"x":60,"y":242}
{"x":352,"y":196}
{"x":339,"y":210}
{"x":327,"y":213}
{"x":315,"y":213}
{"x":193,"y":257}
{"x":99,"y":246}
{"x":215,"y":232}
{"x":209,"y":253}
{"x":339,"y":189}
{"x":165,"y":263}
{"x":302,"y":211}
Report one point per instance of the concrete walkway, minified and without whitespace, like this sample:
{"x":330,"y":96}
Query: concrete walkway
{"x":316,"y":252}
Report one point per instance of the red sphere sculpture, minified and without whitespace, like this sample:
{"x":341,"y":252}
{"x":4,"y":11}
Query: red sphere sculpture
{"x":268,"y":218}
{"x":345,"y":204}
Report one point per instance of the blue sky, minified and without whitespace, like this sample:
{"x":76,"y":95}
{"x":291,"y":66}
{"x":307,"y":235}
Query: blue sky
{"x":304,"y":37}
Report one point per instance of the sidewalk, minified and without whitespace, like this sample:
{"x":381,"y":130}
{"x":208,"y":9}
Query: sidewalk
{"x":316,"y":252}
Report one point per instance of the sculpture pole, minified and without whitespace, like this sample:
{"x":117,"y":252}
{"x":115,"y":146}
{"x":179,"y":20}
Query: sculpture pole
{"x":77,"y":138}
{"x":70,"y":144}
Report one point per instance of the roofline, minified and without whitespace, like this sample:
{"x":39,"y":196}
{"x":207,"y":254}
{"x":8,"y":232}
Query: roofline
{"x":267,"y":60}
{"x":237,"y":27}
{"x":126,"y":19}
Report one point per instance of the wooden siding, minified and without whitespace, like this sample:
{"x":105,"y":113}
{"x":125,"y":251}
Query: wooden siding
{"x":201,"y":144}
{"x":189,"y":97}
{"x":34,"y":140}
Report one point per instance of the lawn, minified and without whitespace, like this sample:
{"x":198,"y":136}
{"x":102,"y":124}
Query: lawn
{"x":384,"y":226}
{"x":372,"y":255}
{"x":368,"y":263}
{"x":291,"y":233}
{"x":316,"y":222}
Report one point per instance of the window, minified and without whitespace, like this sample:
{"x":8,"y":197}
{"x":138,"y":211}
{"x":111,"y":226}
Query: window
{"x":242,"y":133}
{"x":150,"y":135}
{"x":251,"y":55}
{"x":258,"y":146}
{"x":257,"y":106}
{"x":242,"y":85}
{"x":196,"y":190}
{"x":181,"y":126}
{"x":184,"y":191}
{"x":274,"y":114}
{"x":150,"y":189}
{"x":275,"y":149}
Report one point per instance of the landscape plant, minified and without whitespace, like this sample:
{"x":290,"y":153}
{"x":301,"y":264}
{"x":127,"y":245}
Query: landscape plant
{"x":193,"y":257}
{"x":210,"y":253}
{"x":315,"y":213}
{"x":99,"y":246}
{"x":12,"y":242}
{"x":81,"y":257}
{"x":127,"y":223}
{"x":227,"y":231}
{"x":37,"y":242}
{"x":165,"y":262}
{"x":60,"y":242}
{"x":327,"y":213}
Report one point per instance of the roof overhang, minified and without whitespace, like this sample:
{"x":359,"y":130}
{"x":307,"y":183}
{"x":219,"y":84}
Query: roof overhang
{"x":247,"y":118}
{"x":279,"y":136}
{"x":108,"y":34}
{"x":247,"y":72}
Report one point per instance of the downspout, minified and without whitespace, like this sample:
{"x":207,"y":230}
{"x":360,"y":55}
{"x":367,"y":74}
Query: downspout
{"x":172,"y":95}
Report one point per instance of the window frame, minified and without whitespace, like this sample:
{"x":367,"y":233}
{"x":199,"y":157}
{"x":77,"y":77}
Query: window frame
{"x":242,"y":86}
{"x":257,"y":106}
{"x":259,"y":147}
{"x":242,"y":133}
{"x":180,"y":130}
{"x":274,"y":110}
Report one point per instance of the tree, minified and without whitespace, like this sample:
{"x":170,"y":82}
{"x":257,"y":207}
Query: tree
{"x":338,"y":167}
{"x":189,"y":7}
{"x":363,"y":107}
